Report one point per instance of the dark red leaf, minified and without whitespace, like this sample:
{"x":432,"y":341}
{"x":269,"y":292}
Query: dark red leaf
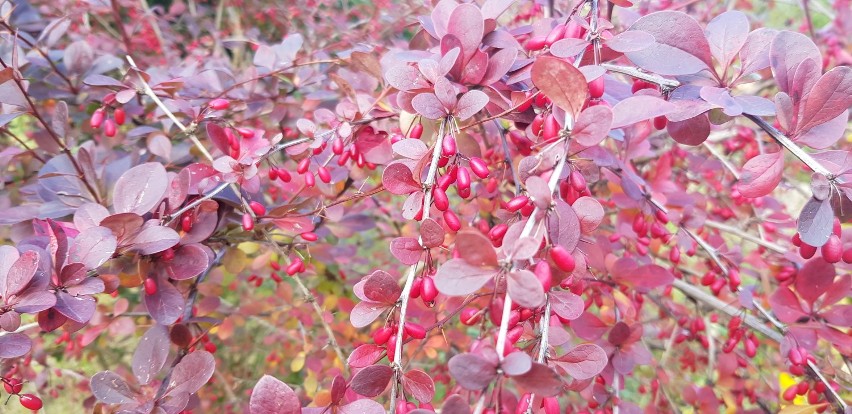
{"x":397,"y":179}
{"x":419,"y":385}
{"x":541,"y":380}
{"x":561,"y":82}
{"x":814,"y":279}
{"x":371,"y":381}
{"x":472,"y":372}
{"x":381,"y":287}
{"x":365,"y":355}
{"x":192,"y":372}
{"x":761,"y":175}
{"x":108,"y":387}
{"x":584,"y":361}
{"x":271,"y":396}
{"x":431,"y":233}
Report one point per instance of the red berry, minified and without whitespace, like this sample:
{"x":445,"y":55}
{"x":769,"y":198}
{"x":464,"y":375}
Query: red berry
{"x":448,"y":146}
{"x":847,"y":255}
{"x":273,"y":173}
{"x":536,"y":43}
{"x":258,"y":208}
{"x":428,"y":291}
{"x":807,"y":251}
{"x":563,"y":259}
{"x":479,"y":167}
{"x":470,"y":316}
{"x":109,"y":128}
{"x":596,"y":87}
{"x":416,"y":131}
{"x":284,"y":175}
{"x":660,"y":122}
{"x":832,"y":250}
{"x":556,"y":34}
{"x":309,"y":236}
{"x":13,"y":385}
{"x":337,"y":146}
{"x":452,"y":220}
{"x":324,"y":175}
{"x":219,"y":104}
{"x":797,"y":240}
{"x":442,"y":203}
{"x":150,"y":286}
{"x":537,"y":124}
{"x":303,"y":165}
{"x":543,"y":274}
{"x":248,"y":222}
{"x":294,"y":267}
{"x":97,"y":118}
{"x":416,"y":287}
{"x":382,"y":335}
{"x":310,"y":180}
{"x":31,"y":402}
{"x":517,"y":203}
{"x":551,"y":405}
{"x":551,"y":127}
{"x":119,"y":116}
{"x":414,"y":330}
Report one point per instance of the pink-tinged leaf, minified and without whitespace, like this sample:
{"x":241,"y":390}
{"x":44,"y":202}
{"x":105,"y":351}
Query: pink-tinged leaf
{"x":165,"y":306}
{"x":643,"y":278}
{"x":589,"y":327}
{"x":431,"y":233}
{"x":381,"y":287}
{"x":561,"y":82}
{"x":413,"y":149}
{"x":755,"y":105}
{"x":412,"y":205}
{"x":566,"y":304}
{"x":726,"y":34}
{"x":814,"y":279}
{"x":446,"y":93}
{"x":440,"y":16}
{"x":371,"y":381}
{"x":498,"y":65}
{"x":365,"y":355}
{"x":450,"y":59}
{"x":787,"y":51}
{"x":830,"y":97}
{"x":455,"y":404}
{"x":639,"y":108}
{"x":189,"y":261}
{"x":761,"y":175}
{"x":397,"y":178}
{"x":151,"y":353}
{"x":429,"y":106}
{"x":525,"y":289}
{"x":108,"y":387}
{"x":471,"y":371}
{"x":362,"y":406}
{"x":14,"y":344}
{"x":216,"y":134}
{"x":840,"y":315}
{"x":592,"y":125}
{"x":93,"y":247}
{"x":475,"y":248}
{"x":470,"y":104}
{"x":786,"y":306}
{"x":676,"y":52}
{"x":631,"y":41}
{"x":541,"y":380}
{"x":140,"y":188}
{"x":8,"y":256}
{"x":584,"y":361}
{"x":824,"y":135}
{"x":406,"y":249}
{"x":754,"y":55}
{"x":564,"y":226}
{"x":722,"y":99}
{"x":364,"y":313}
{"x":539,"y":191}
{"x":192,"y":372}
{"x":816,"y":222}
{"x":492,"y":9}
{"x":522,"y":249}
{"x":405,"y":78}
{"x":294,"y":225}
{"x":516,"y":363}
{"x":33,"y":301}
{"x":272,"y":396}
{"x":20,"y":274}
{"x":692,"y":131}
{"x":590,"y":212}
{"x":89,"y":215}
{"x":569,"y":47}
{"x":467,"y":25}
{"x":474,"y":70}
{"x":77,"y":308}
{"x":152,"y":239}
{"x":419,"y":385}
{"x":457,"y":277}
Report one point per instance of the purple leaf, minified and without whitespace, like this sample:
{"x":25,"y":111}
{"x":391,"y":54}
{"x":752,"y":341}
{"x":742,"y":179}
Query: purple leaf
{"x":33,"y":301}
{"x":457,"y":277}
{"x":191,"y":373}
{"x":561,"y":82}
{"x":721,"y":98}
{"x":14,"y":344}
{"x":516,"y":363}
{"x":362,"y":406}
{"x":77,"y":308}
{"x":471,"y":371}
{"x":364,"y":313}
{"x":676,"y":52}
{"x":566,"y":304}
{"x":93,"y":247}
{"x":108,"y":387}
{"x":754,"y":55}
{"x":153,"y":238}
{"x":539,"y":190}
{"x":413,"y":149}
{"x":271,"y":396}
{"x":140,"y":188}
{"x":726,"y":34}
{"x":397,"y":179}
{"x":824,"y":135}
{"x":786,"y":305}
{"x":419,"y":385}
{"x":446,"y":93}
{"x":630,"y":41}
{"x":584,"y":361}
{"x":639,"y":108}
{"x":431,"y":233}
{"x":592,"y":125}
{"x":406,"y":249}
{"x":590,"y":212}
{"x":787,"y":51}
{"x":467,"y":25}
{"x":540,"y":379}
{"x":381,"y":287}
{"x":151,"y":353}
{"x":371,"y":381}
{"x":569,"y":47}
{"x":405,"y":78}
{"x":470,"y":104}
{"x":19,"y":274}
{"x":755,"y":105}
{"x":692,"y":131}
{"x":189,"y":261}
{"x":217,"y":135}
{"x":643,"y":278}
{"x":829,"y":97}
{"x":564,"y":226}
{"x":165,"y":306}
{"x":525,"y":289}
{"x":761,"y":175}
{"x":429,"y":106}
{"x":498,"y":65}
{"x":816,"y":222}
{"x":455,"y":404}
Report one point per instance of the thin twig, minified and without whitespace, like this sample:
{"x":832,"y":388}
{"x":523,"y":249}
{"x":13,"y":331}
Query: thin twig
{"x":745,"y":236}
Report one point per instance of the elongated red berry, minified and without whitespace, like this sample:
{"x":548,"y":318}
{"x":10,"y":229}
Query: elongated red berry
{"x":31,"y":402}
{"x":543,"y":274}
{"x":310,"y":180}
{"x":381,"y":335}
{"x":448,"y":146}
{"x":452,"y":220}
{"x":119,"y":116}
{"x":416,"y":131}
{"x":186,"y":223}
{"x":807,"y":251}
{"x":259,"y":209}
{"x":324,"y":175}
{"x":109,"y":128}
{"x":309,"y":236}
{"x":97,"y":118}
{"x":479,"y":167}
{"x":562,"y":258}
{"x":639,"y":224}
{"x":578,"y":182}
{"x":284,"y":175}
{"x":537,"y":124}
{"x":219,"y":104}
{"x":660,"y":122}
{"x":536,"y":43}
{"x":428,"y":291}
{"x":517,"y":203}
{"x":463,"y":179}
{"x":832,"y":250}
{"x":248,"y":222}
{"x":551,"y":127}
{"x":596,"y":87}
{"x":442,"y":203}
{"x":150,"y":286}
{"x":294,"y":267}
{"x":797,"y":240}
{"x":847,"y":255}
{"x":415,"y":330}
{"x":13,"y":386}
{"x":556,"y":34}
{"x":551,"y":405}
{"x":303,"y":165}
{"x":498,"y":231}
{"x":470,"y":316}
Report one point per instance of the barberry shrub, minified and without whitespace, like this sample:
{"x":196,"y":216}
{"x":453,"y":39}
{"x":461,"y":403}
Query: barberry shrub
{"x":498,"y":206}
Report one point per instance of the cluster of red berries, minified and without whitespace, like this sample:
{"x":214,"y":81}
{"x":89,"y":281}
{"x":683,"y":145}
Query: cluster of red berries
{"x":424,"y":288}
{"x":736,"y":334}
{"x":404,"y":407}
{"x":549,"y":405}
{"x":832,"y":251}
{"x":110,"y":125}
{"x":14,"y":386}
{"x":387,"y":335}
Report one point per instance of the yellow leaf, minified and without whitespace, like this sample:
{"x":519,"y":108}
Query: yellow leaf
{"x":311,"y":384}
{"x":249,"y":247}
{"x":298,"y":362}
{"x":234,"y":260}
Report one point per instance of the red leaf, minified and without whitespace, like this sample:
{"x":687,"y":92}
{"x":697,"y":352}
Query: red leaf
{"x":431,"y":233}
{"x":406,"y":249}
{"x":785,"y":305}
{"x":381,"y":287}
{"x":467,"y":25}
{"x":542,"y":380}
{"x":639,"y":108}
{"x":566,"y":304}
{"x":676,"y":52}
{"x":217,"y":135}
{"x":472,"y":372}
{"x":814,"y":279}
{"x":271,"y":396}
{"x":592,"y":125}
{"x":140,"y":188}
{"x":829,"y":97}
{"x":516,"y":363}
{"x":525,"y":288}
{"x":397,"y":178}
{"x":419,"y":385}
{"x":457,"y":277}
{"x":787,"y":51}
{"x":692,"y":131}
{"x":475,"y":248}
{"x":428,"y":105}
{"x":365,"y":355}
{"x":761,"y":175}
{"x":584,"y":361}
{"x":561,"y":82}
{"x":564,"y":226}
{"x":372,"y":380}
